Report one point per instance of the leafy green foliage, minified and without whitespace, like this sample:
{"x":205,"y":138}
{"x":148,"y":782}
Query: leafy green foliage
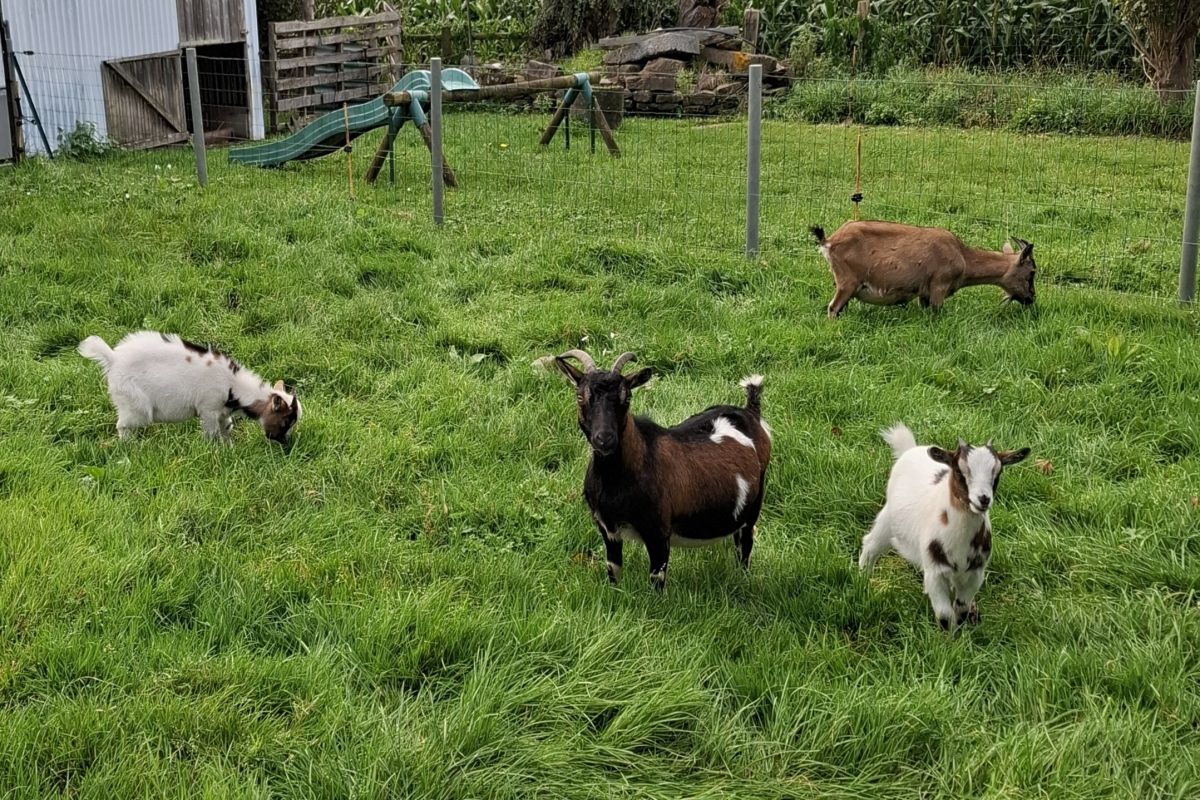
{"x":83,"y":143}
{"x":1094,"y":104}
{"x":992,"y":34}
{"x":565,"y":26}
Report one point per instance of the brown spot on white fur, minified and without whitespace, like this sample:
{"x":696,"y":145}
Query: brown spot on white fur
{"x":959,"y":497}
{"x":945,"y":518}
{"x":188,"y":359}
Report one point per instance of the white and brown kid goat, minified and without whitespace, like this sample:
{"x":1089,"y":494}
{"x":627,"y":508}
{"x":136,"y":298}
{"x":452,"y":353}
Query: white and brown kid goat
{"x":936,"y":517}
{"x":686,"y":486}
{"x":158,"y":377}
{"x":885,"y":263}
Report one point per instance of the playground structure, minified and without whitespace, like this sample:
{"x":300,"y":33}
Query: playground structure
{"x":409,"y":100}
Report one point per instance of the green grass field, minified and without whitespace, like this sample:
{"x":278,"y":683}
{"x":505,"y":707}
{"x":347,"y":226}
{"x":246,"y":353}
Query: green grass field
{"x":411,"y":603}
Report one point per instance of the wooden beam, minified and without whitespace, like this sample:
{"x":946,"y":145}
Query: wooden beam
{"x":300,"y":42}
{"x":448,"y":177}
{"x":356,"y":74}
{"x":330,"y":98}
{"x":559,"y":115}
{"x":302,"y":26}
{"x":605,"y":132}
{"x":329,"y":58}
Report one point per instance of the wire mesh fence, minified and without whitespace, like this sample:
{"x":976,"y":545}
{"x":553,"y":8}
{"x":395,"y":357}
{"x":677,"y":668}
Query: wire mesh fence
{"x":1102,"y":210}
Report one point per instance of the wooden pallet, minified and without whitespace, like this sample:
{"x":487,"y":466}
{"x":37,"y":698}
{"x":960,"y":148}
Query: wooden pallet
{"x":326,"y":62}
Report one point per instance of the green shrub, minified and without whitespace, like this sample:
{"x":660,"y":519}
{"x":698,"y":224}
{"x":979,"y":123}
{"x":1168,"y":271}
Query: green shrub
{"x":1093,"y":104}
{"x":83,"y":143}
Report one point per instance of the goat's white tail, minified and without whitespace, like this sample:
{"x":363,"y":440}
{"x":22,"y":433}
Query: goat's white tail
{"x":97,"y":350}
{"x":900,"y":438}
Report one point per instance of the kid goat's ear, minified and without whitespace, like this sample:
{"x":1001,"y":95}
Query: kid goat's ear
{"x":1008,"y":457}
{"x":943,"y":456}
{"x":573,"y":373}
{"x":639,"y":378}
{"x":276,"y":403}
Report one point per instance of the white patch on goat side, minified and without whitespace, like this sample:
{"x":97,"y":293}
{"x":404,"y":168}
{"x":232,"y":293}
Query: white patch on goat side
{"x":824,"y":250}
{"x":684,"y":541}
{"x":762,"y":423}
{"x":743,"y":495}
{"x":723,"y":428}
{"x":628,"y":533}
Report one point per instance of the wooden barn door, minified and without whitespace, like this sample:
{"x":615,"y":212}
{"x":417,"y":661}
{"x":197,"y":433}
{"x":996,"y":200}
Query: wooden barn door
{"x":143,"y":100}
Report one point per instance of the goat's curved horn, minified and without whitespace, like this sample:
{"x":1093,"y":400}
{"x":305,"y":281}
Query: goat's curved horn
{"x":588,"y":364}
{"x":622,"y":360}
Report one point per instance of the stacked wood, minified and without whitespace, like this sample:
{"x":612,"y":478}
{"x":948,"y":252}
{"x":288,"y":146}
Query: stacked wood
{"x":320,"y":64}
{"x":649,"y":65}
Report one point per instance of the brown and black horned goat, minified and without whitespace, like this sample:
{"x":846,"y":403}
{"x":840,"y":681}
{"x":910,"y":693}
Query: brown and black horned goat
{"x":686,"y":486}
{"x":885,"y":263}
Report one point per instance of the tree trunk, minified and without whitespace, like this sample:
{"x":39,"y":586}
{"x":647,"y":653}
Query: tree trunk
{"x":1170,"y":58}
{"x":308,"y":9}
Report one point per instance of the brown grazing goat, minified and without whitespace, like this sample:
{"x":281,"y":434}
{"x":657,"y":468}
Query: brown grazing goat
{"x":686,"y":486}
{"x":885,"y":263}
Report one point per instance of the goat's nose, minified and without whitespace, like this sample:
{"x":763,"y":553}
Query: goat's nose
{"x":605,"y":441}
{"x":984,"y":501}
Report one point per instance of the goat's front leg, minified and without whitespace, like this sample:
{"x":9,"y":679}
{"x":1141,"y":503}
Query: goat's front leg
{"x":964,"y":598}
{"x":937,"y":586}
{"x":613,"y":551}
{"x":658,"y":548}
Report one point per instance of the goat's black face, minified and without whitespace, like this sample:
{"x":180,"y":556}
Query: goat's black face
{"x":1020,"y":283}
{"x":603,"y":401}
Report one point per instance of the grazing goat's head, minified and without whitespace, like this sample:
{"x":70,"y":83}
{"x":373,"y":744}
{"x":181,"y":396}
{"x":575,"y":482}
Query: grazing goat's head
{"x":975,"y":472}
{"x":603,"y":397}
{"x":278,"y":413}
{"x":1018,"y":281}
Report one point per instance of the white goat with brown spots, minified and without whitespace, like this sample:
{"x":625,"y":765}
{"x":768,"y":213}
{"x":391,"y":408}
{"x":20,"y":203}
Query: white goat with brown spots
{"x":885,"y":263}
{"x":158,"y":377}
{"x":936,"y":517}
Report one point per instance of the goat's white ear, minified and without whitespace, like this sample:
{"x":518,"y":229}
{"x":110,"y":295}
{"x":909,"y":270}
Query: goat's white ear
{"x":1008,"y":248}
{"x":279,"y":386}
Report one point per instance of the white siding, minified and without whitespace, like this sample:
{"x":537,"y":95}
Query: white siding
{"x":72,"y":38}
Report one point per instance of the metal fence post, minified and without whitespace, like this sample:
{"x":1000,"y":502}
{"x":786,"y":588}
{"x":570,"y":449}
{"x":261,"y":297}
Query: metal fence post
{"x":753,"y":151}
{"x":1191,"y":215}
{"x":197,"y":117}
{"x":435,"y":125}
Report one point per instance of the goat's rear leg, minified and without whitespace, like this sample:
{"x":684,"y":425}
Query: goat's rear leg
{"x":658,"y":548}
{"x":877,"y":542}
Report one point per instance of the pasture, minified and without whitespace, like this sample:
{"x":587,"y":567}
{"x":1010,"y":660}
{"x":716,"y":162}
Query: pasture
{"x":411,"y":602}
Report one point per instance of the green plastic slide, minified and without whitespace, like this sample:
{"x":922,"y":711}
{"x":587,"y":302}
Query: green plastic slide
{"x":327,"y":133}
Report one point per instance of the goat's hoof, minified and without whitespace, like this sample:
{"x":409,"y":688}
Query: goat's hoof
{"x":973,"y":614}
{"x":658,"y":580}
